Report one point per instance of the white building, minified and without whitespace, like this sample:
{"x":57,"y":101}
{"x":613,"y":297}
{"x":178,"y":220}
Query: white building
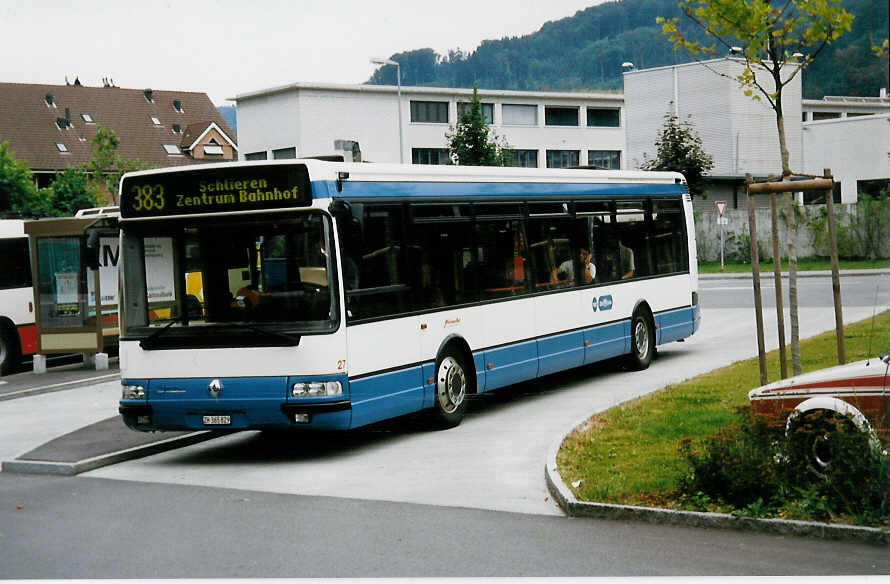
{"x":833,"y":107}
{"x":855,"y":148}
{"x":544,"y":129}
{"x":739,"y":132}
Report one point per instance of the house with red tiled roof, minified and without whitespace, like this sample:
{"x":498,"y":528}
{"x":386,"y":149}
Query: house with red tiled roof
{"x":49,"y":127}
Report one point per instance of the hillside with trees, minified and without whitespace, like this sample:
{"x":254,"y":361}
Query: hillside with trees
{"x":586,"y":51}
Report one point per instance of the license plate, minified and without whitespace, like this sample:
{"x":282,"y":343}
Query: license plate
{"x":217,"y":420}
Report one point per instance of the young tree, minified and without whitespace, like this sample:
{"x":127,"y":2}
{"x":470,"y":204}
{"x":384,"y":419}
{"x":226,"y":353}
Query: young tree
{"x":680,"y":149}
{"x":472,"y":143}
{"x":780,"y":37}
{"x":106,"y":165}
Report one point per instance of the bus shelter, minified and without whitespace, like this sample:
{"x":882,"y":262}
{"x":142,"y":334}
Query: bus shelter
{"x":74,"y":267}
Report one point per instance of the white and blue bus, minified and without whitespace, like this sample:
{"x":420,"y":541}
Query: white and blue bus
{"x":326,"y":295}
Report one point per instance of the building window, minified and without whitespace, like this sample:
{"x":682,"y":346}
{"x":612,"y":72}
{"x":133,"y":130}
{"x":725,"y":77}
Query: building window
{"x":560,"y":116}
{"x":61,"y":148}
{"x":430,"y":156}
{"x":284,"y":153}
{"x":87,"y":118}
{"x":603,"y":118}
{"x":155,"y":121}
{"x":256,"y":156}
{"x":818,"y":197}
{"x":463,"y":108}
{"x":825,"y":115}
{"x":525,"y":158}
{"x":609,"y":159}
{"x":433,"y":112}
{"x":562,"y":158}
{"x":519,"y":115}
{"x":172,"y":149}
{"x":177,"y":129}
{"x":213,"y":150}
{"x":177,"y":106}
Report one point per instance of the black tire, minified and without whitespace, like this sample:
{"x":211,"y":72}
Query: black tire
{"x":820,"y":440}
{"x":10,"y":354}
{"x":453,"y":386}
{"x":642,"y":341}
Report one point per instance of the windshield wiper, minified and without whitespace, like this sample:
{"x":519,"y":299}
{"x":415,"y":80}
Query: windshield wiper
{"x":147,"y":341}
{"x":293,"y":340}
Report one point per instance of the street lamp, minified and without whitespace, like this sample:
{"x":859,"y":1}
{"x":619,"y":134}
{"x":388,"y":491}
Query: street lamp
{"x":379,"y":61}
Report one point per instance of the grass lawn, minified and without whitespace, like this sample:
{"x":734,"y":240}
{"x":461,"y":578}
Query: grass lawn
{"x":803,"y":264}
{"x":629,"y":454}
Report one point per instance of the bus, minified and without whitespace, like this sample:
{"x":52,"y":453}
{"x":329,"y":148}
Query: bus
{"x":326,"y":295}
{"x":18,"y":335}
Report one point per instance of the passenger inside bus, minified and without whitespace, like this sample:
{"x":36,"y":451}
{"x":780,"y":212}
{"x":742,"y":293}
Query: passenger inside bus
{"x":566,"y":270}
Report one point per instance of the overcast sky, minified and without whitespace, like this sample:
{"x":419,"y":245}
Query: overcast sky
{"x":229,"y":47}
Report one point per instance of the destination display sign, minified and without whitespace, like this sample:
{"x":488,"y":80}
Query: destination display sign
{"x":213,"y":190}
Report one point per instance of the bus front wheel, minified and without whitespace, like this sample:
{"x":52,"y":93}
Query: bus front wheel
{"x":9,"y":349}
{"x":452,"y":387}
{"x":642,"y":341}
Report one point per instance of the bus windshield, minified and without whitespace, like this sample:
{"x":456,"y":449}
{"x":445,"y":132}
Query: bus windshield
{"x":250,"y":275}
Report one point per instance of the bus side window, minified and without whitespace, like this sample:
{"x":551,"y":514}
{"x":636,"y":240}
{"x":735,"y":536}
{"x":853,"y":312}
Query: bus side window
{"x":379,"y":255}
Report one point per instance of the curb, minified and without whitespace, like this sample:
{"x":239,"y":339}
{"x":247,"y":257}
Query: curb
{"x":769,"y":275}
{"x":572,"y":507}
{"x":75,"y":468}
{"x":58,"y":386}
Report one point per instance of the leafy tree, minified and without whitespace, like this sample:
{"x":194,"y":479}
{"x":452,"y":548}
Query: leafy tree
{"x":680,"y":150}
{"x":472,"y":143}
{"x":17,"y":191}
{"x":778,"y":37}
{"x":106,"y":165}
{"x":71,"y":191}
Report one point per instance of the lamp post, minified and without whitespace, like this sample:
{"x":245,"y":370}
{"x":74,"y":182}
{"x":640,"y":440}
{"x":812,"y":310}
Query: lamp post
{"x":379,"y":61}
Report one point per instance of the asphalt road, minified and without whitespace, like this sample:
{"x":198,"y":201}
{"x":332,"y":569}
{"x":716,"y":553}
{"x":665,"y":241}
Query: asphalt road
{"x":95,"y":528}
{"x":398,"y":500}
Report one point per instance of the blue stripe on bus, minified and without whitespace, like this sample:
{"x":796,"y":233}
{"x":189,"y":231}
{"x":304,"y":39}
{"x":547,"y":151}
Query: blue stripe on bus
{"x":561,"y":352}
{"x":607,"y":341}
{"x":403,"y":391}
{"x":675,"y":324}
{"x":386,"y":395}
{"x":510,"y":364}
{"x":391,"y":190}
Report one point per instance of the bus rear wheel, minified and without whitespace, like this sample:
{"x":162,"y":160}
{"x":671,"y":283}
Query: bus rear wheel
{"x":642,"y":341}
{"x":452,"y":388}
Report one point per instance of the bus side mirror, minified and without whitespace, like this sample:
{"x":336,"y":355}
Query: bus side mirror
{"x":93,"y":250}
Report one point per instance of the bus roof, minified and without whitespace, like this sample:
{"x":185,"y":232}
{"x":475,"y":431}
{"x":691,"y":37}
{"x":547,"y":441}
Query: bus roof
{"x":385,"y":172}
{"x":12,"y":228}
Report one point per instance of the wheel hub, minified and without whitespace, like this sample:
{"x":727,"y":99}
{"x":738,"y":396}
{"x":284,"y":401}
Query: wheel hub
{"x":451,"y":388}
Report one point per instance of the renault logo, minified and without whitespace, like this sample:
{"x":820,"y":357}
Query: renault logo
{"x":214,"y":388}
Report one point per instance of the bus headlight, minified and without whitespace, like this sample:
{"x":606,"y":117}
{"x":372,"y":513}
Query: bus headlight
{"x":132,"y":392}
{"x":317,"y":389}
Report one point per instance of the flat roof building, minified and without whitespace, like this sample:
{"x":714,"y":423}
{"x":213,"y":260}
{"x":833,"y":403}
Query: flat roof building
{"x":543,"y":129}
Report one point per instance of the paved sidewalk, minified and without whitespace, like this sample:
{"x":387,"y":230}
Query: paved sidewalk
{"x":35,"y":422}
{"x":55,"y":379}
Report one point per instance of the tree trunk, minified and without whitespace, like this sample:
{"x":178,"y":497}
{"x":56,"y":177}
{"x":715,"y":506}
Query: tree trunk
{"x":792,"y":286}
{"x":783,"y":145}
